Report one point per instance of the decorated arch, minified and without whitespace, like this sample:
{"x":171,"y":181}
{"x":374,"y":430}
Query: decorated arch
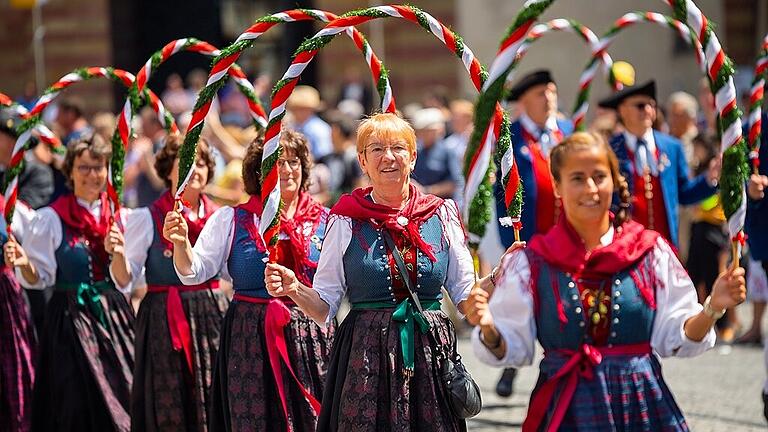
{"x":32,"y":123}
{"x":223,"y":63}
{"x":720,"y":74}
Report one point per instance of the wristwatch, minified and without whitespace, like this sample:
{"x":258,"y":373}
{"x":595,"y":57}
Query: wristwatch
{"x":711,"y":313}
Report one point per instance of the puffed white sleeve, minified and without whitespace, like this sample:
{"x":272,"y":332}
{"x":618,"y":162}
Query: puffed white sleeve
{"x":511,"y":306}
{"x":210,"y":253}
{"x":139,"y":233}
{"x":40,"y":244}
{"x":330,"y":282}
{"x":676,"y":302}
{"x":23,"y":216}
{"x":461,"y":271}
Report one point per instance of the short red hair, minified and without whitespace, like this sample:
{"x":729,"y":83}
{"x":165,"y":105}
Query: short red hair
{"x":385,"y":126}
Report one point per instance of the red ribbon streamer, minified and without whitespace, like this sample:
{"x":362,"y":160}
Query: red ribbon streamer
{"x":277,"y":317}
{"x":178,"y":325}
{"x":580,"y":365}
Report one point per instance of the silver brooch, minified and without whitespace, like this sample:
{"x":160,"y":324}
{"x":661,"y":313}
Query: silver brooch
{"x":402,"y":220}
{"x":316,"y":240}
{"x":168,"y":253}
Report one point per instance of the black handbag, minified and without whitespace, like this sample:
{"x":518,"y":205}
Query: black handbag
{"x":462,"y":391}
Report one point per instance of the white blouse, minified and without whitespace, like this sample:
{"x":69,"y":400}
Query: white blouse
{"x":21,"y":224}
{"x":210,"y":253}
{"x":330,"y":283}
{"x":42,"y":240}
{"x":511,"y":306}
{"x":139,"y":233}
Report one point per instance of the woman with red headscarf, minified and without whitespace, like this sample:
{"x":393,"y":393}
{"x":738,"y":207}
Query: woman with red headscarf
{"x":604,"y":296}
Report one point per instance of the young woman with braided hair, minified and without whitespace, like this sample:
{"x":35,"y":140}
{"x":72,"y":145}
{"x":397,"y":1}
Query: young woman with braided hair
{"x":604,"y":296}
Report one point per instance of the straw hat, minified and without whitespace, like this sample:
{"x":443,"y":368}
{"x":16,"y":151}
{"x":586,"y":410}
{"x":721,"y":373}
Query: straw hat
{"x":304,"y":96}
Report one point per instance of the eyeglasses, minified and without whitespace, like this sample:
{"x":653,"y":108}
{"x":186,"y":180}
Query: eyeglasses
{"x":378,"y":150}
{"x":85,"y":169}
{"x":292,"y":163}
{"x":642,"y":105}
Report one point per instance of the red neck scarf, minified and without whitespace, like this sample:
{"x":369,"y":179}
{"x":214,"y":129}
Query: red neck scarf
{"x":419,"y":208}
{"x":166,"y":203}
{"x":308,"y":211}
{"x":562,"y":248}
{"x":82,"y":222}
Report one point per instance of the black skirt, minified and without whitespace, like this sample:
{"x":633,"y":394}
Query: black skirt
{"x":165,"y":395}
{"x":367,"y":389}
{"x":244,"y":394}
{"x":84,"y":371}
{"x":17,"y":339}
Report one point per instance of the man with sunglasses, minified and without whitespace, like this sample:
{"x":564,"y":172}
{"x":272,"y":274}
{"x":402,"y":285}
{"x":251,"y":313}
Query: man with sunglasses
{"x":653,"y":163}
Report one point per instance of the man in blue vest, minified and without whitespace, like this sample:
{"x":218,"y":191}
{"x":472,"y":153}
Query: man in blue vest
{"x":653,"y":163}
{"x":534,"y":133}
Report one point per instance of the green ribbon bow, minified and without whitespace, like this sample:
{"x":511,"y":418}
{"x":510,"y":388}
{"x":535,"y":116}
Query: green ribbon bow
{"x":407,"y":317}
{"x":89,"y":297}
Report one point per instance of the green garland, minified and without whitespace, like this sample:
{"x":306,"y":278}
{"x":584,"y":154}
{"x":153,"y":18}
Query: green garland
{"x":484,"y":112}
{"x":735,"y":172}
{"x":381,"y":85}
{"x":532,"y":12}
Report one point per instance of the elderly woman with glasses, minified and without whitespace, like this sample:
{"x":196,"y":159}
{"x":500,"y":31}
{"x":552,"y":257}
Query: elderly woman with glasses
{"x":383,"y":373}
{"x":270,"y":368}
{"x":85,"y":364}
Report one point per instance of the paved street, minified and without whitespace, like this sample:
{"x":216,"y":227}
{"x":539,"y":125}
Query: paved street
{"x":718,"y":391}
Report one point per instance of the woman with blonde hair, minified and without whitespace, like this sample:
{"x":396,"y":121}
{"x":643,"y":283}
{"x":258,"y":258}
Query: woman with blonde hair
{"x":384,"y":370}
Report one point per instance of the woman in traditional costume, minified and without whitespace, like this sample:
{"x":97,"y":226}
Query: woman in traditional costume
{"x":85,"y":365}
{"x":604,"y":296}
{"x":384,"y":368}
{"x":17,"y":331}
{"x":177,"y":326}
{"x":271,"y":364}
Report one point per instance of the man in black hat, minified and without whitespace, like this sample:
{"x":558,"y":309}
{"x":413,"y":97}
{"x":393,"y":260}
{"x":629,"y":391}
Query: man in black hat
{"x":536,"y":131}
{"x":653,"y":163}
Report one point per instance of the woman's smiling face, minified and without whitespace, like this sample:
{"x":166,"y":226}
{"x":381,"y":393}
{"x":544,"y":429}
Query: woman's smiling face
{"x":387,"y":161}
{"x":586,"y":185}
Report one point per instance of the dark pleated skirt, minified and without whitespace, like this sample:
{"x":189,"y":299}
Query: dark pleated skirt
{"x":84,"y":370}
{"x":165,"y":396}
{"x":17,"y":352}
{"x":627,"y":393}
{"x":366,"y":388}
{"x":244,"y":394}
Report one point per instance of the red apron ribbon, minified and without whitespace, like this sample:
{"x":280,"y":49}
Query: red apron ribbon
{"x":580,"y":365}
{"x":277,"y":317}
{"x":178,"y":325}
